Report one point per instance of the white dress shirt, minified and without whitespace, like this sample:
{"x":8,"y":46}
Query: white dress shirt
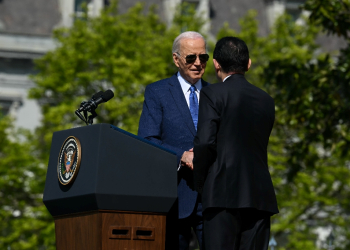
{"x":185,"y":85}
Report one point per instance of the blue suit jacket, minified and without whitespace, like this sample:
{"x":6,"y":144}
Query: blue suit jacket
{"x":166,"y":120}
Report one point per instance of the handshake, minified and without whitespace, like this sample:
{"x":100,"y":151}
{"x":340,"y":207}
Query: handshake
{"x":187,"y":159}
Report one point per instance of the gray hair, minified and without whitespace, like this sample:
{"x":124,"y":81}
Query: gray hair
{"x":189,"y":35}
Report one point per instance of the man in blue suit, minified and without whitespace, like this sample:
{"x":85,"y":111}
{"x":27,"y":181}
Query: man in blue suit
{"x":169,"y":118}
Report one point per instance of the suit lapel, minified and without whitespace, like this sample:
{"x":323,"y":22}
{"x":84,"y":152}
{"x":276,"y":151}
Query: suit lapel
{"x":204,"y":83}
{"x":180,"y":101}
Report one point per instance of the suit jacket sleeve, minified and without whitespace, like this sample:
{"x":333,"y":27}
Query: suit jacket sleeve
{"x":205,"y":150}
{"x":150,"y":126}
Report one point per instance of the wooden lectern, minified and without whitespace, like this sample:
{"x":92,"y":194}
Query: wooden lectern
{"x":120,"y":195}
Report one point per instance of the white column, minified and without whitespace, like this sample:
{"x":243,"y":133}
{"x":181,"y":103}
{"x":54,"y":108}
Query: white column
{"x":169,"y":10}
{"x":95,"y":7}
{"x":203,"y":12}
{"x":67,"y":11}
{"x":273,"y":11}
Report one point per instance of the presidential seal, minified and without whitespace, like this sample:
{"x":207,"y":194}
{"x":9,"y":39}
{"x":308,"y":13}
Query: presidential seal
{"x":69,"y":160}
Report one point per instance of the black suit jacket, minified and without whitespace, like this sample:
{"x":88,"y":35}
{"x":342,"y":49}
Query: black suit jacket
{"x":230,"y":149}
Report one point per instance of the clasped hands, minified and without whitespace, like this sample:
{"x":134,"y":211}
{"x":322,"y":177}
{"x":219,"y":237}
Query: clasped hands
{"x":187,"y":159}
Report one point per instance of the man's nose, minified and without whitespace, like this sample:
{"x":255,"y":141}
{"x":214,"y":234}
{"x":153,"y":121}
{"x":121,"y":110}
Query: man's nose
{"x":197,"y":62}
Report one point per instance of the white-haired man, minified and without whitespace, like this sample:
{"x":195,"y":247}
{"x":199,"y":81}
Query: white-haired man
{"x":169,"y":118}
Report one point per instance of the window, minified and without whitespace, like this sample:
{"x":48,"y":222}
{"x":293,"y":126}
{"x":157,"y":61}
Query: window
{"x":94,"y":6}
{"x":188,"y":5}
{"x":9,"y":104}
{"x":78,"y":5}
{"x":292,"y":8}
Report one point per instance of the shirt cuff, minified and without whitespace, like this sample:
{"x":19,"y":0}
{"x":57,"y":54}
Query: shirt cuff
{"x":179,"y":168}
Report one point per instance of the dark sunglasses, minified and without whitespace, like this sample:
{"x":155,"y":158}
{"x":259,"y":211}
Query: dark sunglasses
{"x":192,"y":58}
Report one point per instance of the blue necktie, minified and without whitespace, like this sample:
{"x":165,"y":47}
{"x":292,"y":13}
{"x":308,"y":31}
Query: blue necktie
{"x":194,"y":105}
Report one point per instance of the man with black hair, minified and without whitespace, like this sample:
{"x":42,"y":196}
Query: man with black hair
{"x":230,"y":154}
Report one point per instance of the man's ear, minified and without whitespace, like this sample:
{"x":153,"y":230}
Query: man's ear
{"x":176,"y":60}
{"x":249,"y":64}
{"x":216,"y":65}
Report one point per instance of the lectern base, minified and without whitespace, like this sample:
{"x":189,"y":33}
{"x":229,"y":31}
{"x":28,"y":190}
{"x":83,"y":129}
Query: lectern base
{"x":107,"y":230}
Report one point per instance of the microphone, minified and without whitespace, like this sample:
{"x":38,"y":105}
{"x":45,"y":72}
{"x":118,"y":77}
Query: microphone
{"x":84,"y":104}
{"x":97,"y":95}
{"x":90,"y":106}
{"x":108,"y":95}
{"x":97,"y":99}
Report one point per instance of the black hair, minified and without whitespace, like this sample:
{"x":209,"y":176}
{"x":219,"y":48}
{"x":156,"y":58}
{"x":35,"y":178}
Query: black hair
{"x":232,"y":54}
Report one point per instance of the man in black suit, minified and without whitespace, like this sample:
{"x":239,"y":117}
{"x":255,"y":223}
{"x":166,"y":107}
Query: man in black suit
{"x":230,"y":154}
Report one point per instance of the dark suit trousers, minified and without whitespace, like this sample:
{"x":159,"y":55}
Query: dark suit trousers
{"x":195,"y":221}
{"x":236,"y":229}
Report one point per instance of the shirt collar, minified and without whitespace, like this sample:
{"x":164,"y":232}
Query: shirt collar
{"x":226,"y":78}
{"x":185,"y":85}
{"x":232,"y":75}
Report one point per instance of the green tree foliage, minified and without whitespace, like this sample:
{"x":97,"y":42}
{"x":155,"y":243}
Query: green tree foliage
{"x":312,"y":98}
{"x":313,"y":101}
{"x":313,"y":127}
{"x":287,"y":41}
{"x":24,"y":222}
{"x":119,"y":52}
{"x":332,"y":15}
